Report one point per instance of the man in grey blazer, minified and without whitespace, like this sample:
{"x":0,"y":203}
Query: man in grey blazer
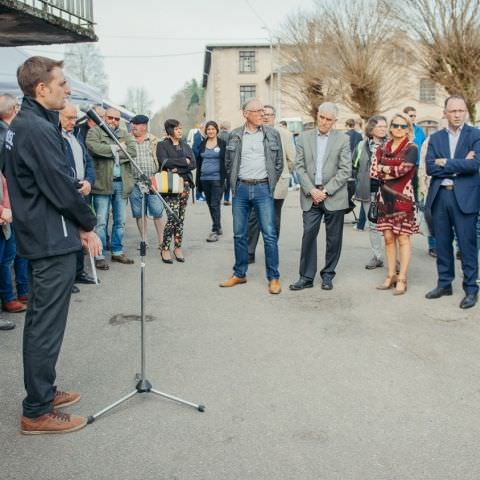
{"x":323,"y":164}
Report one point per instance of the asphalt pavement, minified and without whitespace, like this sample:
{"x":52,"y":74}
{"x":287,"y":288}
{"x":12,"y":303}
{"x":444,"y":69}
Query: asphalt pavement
{"x":348,"y":384}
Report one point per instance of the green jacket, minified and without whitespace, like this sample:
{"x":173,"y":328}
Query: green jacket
{"x":99,"y":145}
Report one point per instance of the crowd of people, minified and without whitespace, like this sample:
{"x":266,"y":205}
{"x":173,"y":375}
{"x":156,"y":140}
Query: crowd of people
{"x":66,"y":184}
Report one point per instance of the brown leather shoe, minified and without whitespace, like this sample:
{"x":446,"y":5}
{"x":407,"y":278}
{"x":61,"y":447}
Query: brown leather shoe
{"x":232,"y":281}
{"x":122,"y":259}
{"x":65,"y":399}
{"x":102,"y":264}
{"x":274,"y":286}
{"x":14,"y":306}
{"x":52,"y":422}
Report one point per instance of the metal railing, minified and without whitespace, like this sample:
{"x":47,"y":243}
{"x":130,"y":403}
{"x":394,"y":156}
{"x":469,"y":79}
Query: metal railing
{"x":76,"y":12}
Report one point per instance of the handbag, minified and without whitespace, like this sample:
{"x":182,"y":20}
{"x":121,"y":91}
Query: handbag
{"x":372,"y":214}
{"x":167,"y":182}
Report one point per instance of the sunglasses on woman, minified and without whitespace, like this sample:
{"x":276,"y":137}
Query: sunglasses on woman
{"x":399,"y":125}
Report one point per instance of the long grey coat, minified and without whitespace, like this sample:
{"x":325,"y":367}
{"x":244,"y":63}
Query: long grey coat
{"x":337,"y":168}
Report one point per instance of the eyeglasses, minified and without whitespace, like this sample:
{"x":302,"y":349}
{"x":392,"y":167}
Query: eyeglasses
{"x":268,"y":114}
{"x":109,"y":117}
{"x":261,"y":110}
{"x":399,"y":125}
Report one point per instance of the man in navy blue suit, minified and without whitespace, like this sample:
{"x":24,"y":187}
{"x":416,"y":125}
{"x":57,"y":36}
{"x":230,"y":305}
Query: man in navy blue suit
{"x":453,"y":200}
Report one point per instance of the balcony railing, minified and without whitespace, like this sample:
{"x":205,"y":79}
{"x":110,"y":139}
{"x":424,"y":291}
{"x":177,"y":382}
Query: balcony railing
{"x":76,"y":12}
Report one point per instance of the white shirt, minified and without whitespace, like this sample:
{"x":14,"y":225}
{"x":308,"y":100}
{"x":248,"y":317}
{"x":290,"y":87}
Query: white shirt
{"x":322,"y":139}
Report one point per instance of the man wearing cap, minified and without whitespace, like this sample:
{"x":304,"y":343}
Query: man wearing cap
{"x":113,"y":184}
{"x":146,"y":144}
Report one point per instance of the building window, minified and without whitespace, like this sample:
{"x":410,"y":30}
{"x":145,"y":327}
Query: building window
{"x":246,"y":92}
{"x":247,"y":61}
{"x":427,"y":90}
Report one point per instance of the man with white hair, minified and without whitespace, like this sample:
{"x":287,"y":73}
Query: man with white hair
{"x":323,"y":164}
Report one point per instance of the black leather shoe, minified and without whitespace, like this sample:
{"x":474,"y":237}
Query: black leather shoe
{"x":84,"y":277}
{"x":75,"y":289}
{"x":469,"y":301}
{"x":438,"y":292}
{"x":300,"y":284}
{"x":327,"y":285}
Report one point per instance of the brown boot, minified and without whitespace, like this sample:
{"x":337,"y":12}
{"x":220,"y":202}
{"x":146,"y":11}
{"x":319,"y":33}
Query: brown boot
{"x":274,"y":286}
{"x":52,"y":422}
{"x":65,"y":399}
{"x":232,"y":281}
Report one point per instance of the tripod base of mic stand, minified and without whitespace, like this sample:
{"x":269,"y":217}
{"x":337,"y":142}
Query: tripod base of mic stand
{"x":143,"y":386}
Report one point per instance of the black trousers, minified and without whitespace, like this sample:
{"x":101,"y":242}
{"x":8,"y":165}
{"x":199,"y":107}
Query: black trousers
{"x":254,"y":228}
{"x":80,"y":263}
{"x":51,"y":281}
{"x":334,"y":234}
{"x":213,"y":190}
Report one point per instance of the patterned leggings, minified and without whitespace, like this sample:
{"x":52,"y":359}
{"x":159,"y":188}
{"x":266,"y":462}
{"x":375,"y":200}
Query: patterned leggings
{"x":173,"y":228}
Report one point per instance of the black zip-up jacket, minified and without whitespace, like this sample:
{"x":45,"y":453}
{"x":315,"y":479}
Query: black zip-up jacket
{"x":169,"y":157}
{"x":48,"y":211}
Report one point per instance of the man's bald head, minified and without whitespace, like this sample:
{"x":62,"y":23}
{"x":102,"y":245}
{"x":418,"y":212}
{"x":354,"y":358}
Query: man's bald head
{"x":112,"y":117}
{"x":253,"y":112}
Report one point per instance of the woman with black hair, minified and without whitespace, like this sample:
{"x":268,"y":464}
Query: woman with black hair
{"x":175,"y":155}
{"x":211,"y":174}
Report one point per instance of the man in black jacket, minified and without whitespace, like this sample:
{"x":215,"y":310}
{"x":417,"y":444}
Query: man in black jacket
{"x":52,"y":222}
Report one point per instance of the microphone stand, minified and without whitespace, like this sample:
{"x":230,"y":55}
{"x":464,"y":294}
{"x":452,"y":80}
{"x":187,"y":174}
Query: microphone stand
{"x":143,"y":385}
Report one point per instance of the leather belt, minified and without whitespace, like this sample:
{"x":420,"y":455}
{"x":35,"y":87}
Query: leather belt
{"x":447,"y":187}
{"x":252,"y":181}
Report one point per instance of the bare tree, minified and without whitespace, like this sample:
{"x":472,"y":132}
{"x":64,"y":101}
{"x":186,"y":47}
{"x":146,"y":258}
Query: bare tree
{"x":85,"y":63}
{"x":138,"y":100}
{"x":304,"y":72}
{"x":359,"y":54}
{"x":447,"y":33}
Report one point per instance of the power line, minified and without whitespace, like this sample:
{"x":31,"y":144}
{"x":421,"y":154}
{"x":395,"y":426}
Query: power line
{"x":159,"y":37}
{"x":259,"y":17}
{"x":167,"y":55}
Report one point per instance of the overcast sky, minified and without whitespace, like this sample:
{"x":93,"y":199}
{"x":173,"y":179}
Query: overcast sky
{"x":148,"y":28}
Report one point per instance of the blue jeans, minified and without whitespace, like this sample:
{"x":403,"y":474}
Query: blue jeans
{"x":21,"y":275}
{"x":258,"y":197}
{"x":7,"y":255}
{"x":102,"y":205}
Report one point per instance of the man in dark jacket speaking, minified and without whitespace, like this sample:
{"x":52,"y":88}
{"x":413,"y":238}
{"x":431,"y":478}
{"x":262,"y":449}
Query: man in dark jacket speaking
{"x":52,"y":222}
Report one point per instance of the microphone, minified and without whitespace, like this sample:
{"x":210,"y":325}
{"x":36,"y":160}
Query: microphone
{"x":93,"y":115}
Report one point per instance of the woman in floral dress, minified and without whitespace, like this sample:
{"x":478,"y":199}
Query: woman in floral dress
{"x":394,"y":166}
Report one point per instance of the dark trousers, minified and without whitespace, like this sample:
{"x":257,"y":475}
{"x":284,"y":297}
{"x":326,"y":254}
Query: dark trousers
{"x":254,"y":228}
{"x":51,"y":280}
{"x":80,"y":263}
{"x":447,"y":217}
{"x":226,"y":196}
{"x":334,"y":234}
{"x":213,"y":190}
